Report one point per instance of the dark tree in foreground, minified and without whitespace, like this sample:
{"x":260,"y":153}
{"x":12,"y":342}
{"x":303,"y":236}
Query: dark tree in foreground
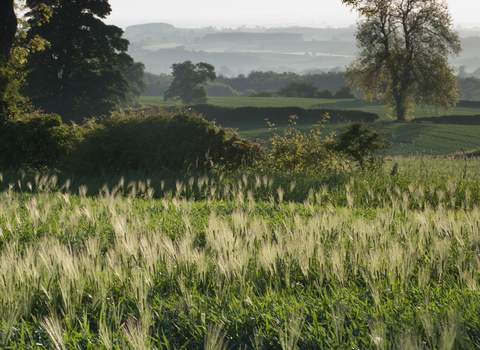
{"x":81,"y":73}
{"x":188,"y":81}
{"x":403,"y":55}
{"x":16,"y":48}
{"x":8,"y":28}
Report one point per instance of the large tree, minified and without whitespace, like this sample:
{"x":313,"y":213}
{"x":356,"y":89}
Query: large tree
{"x":80,"y":74}
{"x":8,"y":27}
{"x":188,"y":81}
{"x":403,"y":55}
{"x":15,"y":49}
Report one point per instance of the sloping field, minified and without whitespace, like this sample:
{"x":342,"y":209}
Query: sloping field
{"x":408,"y":138}
{"x":373,"y":107}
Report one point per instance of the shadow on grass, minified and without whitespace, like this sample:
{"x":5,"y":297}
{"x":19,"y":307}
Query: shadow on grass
{"x":344,"y":104}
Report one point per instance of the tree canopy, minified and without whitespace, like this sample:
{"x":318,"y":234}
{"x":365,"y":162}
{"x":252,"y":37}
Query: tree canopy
{"x":188,"y":79}
{"x":8,"y":27}
{"x":80,"y":73}
{"x":299,"y":89}
{"x":403,"y":55}
{"x":403,"y":50}
{"x":12,"y":64}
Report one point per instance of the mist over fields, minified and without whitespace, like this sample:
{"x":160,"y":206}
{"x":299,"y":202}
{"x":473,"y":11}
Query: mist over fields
{"x":279,"y":49}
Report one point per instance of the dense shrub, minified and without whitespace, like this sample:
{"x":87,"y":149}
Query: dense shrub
{"x":155,"y":139}
{"x":221,"y":90}
{"x":344,"y":92}
{"x":36,"y":140}
{"x":297,"y":151}
{"x":361,"y":144}
{"x":468,"y":104}
{"x":249,"y":92}
{"x":263,"y":93}
{"x":299,"y":89}
{"x":223,"y":114}
{"x":450,"y":119}
{"x":324,"y":94}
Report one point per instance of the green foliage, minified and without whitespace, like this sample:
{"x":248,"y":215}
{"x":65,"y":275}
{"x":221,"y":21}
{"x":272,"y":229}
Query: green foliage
{"x":216,"y":89}
{"x":299,"y":89}
{"x":152,"y":140}
{"x":403,"y":57}
{"x":261,"y":81}
{"x":36,"y":140}
{"x":296,"y":151}
{"x":157,"y":84}
{"x":275,"y":260}
{"x":12,"y":71}
{"x":476,"y":95}
{"x":467,"y":87}
{"x":80,"y":74}
{"x":135,"y":75}
{"x":188,"y":81}
{"x":324,"y":94}
{"x":360,"y":143}
{"x":263,"y":93}
{"x":344,"y":92}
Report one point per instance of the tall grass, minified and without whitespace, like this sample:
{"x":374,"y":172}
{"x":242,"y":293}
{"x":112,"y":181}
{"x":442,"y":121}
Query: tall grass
{"x":261,"y":261}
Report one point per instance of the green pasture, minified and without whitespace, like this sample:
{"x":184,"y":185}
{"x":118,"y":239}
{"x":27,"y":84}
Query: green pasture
{"x":374,"y":107}
{"x":408,"y":138}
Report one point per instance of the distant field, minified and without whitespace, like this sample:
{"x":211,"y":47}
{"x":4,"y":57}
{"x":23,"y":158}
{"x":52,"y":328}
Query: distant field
{"x":373,"y":107}
{"x":409,"y":139}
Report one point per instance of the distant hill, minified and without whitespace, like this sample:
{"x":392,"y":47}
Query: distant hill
{"x":149,"y":27}
{"x":251,"y":37}
{"x":279,"y":49}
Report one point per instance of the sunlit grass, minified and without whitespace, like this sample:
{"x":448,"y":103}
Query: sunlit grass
{"x":265,"y":261}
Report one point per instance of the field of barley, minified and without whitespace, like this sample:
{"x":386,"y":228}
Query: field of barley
{"x":243,"y":260}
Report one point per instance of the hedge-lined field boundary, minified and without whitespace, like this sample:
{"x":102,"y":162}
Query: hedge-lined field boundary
{"x":469,"y":104}
{"x":223,"y":114}
{"x":450,"y":119}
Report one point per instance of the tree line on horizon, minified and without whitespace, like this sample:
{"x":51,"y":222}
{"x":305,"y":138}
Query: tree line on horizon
{"x":254,"y":82}
{"x":66,"y":60}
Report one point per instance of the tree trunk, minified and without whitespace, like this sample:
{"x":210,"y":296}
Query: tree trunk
{"x":8,"y":28}
{"x":400,"y":109}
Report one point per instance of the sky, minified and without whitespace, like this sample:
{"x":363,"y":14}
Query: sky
{"x":233,"y":14}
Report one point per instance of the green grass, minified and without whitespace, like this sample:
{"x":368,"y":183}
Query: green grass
{"x":243,"y":260}
{"x":373,"y":107}
{"x":409,"y":139}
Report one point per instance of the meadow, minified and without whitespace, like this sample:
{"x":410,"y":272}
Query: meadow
{"x":243,"y":260}
{"x":354,"y":104}
{"x":409,"y":139}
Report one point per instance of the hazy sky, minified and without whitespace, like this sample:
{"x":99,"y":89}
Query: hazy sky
{"x":230,"y":14}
